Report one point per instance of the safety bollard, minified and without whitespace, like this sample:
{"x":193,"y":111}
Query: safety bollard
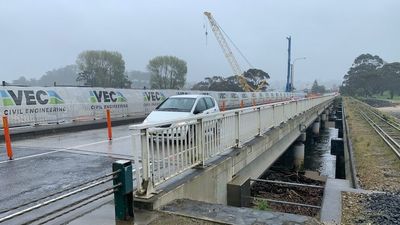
{"x":109,"y":127}
{"x":123,"y":197}
{"x":223,"y":106}
{"x":7,"y":137}
{"x":241,"y":104}
{"x":254,"y":102}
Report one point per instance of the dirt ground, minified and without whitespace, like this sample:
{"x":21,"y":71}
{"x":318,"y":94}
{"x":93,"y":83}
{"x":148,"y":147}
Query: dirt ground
{"x":394,"y":111}
{"x":304,"y":195}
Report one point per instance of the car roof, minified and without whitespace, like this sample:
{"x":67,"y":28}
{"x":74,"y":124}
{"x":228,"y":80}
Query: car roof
{"x":188,"y":96}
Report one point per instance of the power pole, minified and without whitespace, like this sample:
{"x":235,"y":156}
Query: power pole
{"x":288,"y":80}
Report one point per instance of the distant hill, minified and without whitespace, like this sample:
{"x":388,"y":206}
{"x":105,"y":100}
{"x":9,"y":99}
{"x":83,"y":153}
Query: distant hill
{"x":62,"y":76}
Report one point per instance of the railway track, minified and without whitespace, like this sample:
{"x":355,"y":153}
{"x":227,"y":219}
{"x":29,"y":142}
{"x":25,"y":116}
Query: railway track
{"x":388,"y":130}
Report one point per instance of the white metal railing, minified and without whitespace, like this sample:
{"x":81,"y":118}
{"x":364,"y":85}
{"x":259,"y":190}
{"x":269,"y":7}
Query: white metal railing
{"x":164,"y":150}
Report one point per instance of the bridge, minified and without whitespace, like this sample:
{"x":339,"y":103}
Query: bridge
{"x":178,"y":159}
{"x":209,"y":158}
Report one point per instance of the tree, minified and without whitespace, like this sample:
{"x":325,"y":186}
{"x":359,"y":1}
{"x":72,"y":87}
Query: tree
{"x":21,"y":81}
{"x":317,"y":89}
{"x":218,"y":83}
{"x":167,"y":72}
{"x":363,"y":77}
{"x":390,"y":76}
{"x":65,"y":75}
{"x":255,"y":77}
{"x":102,"y":69}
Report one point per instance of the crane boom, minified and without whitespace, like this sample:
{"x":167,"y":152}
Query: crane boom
{"x":229,"y":55}
{"x":224,"y":45}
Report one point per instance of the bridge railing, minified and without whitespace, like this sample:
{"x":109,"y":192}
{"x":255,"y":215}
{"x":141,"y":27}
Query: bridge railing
{"x":167,"y":149}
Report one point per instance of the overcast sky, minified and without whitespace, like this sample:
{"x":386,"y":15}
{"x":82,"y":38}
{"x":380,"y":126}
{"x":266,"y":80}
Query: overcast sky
{"x":37,"y":36}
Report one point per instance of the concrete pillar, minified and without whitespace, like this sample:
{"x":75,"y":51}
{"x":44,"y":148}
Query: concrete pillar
{"x":324,"y":119}
{"x":337,"y":149}
{"x":327,"y":112}
{"x":315,"y":128}
{"x":238,"y":194}
{"x":298,"y":155}
{"x":339,"y":126}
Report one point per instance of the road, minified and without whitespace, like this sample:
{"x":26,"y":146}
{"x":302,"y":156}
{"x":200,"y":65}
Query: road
{"x":48,"y":164}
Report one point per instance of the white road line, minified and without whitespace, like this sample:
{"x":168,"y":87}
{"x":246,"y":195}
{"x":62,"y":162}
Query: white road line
{"x":30,"y":156}
{"x":64,"y":149}
{"x":95,"y":143}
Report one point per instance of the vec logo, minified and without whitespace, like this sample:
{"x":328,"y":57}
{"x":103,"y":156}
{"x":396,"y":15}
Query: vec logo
{"x":31,"y":97}
{"x":151,"y":96}
{"x":106,"y":96}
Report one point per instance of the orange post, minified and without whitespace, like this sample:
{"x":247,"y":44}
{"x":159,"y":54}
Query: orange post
{"x":7,"y":137}
{"x":109,"y":128}
{"x":254,"y":102}
{"x":223,"y":106}
{"x":241,"y":104}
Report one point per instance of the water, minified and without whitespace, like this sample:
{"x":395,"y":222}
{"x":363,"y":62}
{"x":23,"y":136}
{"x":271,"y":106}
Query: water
{"x":318,"y":156}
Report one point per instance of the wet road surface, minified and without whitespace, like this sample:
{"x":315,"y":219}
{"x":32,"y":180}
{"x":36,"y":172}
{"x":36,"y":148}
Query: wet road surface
{"x":48,"y":164}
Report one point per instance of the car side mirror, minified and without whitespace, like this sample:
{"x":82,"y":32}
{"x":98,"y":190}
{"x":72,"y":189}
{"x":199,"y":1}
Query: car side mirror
{"x":196,"y":111}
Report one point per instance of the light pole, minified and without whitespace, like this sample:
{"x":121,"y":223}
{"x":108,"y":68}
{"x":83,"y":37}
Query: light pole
{"x":292,"y":73}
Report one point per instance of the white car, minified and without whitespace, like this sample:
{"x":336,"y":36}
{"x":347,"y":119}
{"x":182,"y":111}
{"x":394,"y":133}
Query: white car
{"x":179,"y":107}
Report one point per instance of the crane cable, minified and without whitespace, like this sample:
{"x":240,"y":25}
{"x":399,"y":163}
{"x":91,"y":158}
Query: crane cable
{"x":236,"y":47}
{"x":230,"y":40}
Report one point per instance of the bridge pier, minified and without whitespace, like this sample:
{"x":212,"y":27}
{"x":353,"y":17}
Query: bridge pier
{"x":315,"y":127}
{"x":339,"y":120}
{"x":324,"y":119}
{"x":298,"y":155}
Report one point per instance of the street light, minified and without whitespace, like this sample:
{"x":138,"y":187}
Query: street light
{"x":292,"y":73}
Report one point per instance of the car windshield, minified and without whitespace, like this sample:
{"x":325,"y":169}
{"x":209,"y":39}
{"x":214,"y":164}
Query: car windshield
{"x":177,"y":105}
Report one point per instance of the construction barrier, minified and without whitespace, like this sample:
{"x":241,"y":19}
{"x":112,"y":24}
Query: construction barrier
{"x":109,"y":127}
{"x":33,"y":106}
{"x":7,"y":137}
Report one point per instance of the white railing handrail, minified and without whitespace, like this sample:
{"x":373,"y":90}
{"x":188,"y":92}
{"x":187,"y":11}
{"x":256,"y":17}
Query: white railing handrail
{"x":212,"y":115}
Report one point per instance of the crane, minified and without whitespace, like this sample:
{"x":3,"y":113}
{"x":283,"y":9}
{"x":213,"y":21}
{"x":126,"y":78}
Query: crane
{"x":231,"y":58}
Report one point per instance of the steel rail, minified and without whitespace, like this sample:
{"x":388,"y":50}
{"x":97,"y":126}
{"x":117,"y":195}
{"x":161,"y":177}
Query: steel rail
{"x":387,"y":138}
{"x":53,"y":200}
{"x":99,"y":194}
{"x":59,"y":192}
{"x":288,"y":183}
{"x":285,"y":202}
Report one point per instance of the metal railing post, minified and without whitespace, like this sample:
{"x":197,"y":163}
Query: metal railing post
{"x":147,"y":181}
{"x":137,"y":149}
{"x":123,"y":196}
{"x":259,"y":121}
{"x":200,"y":137}
{"x":237,"y":129}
